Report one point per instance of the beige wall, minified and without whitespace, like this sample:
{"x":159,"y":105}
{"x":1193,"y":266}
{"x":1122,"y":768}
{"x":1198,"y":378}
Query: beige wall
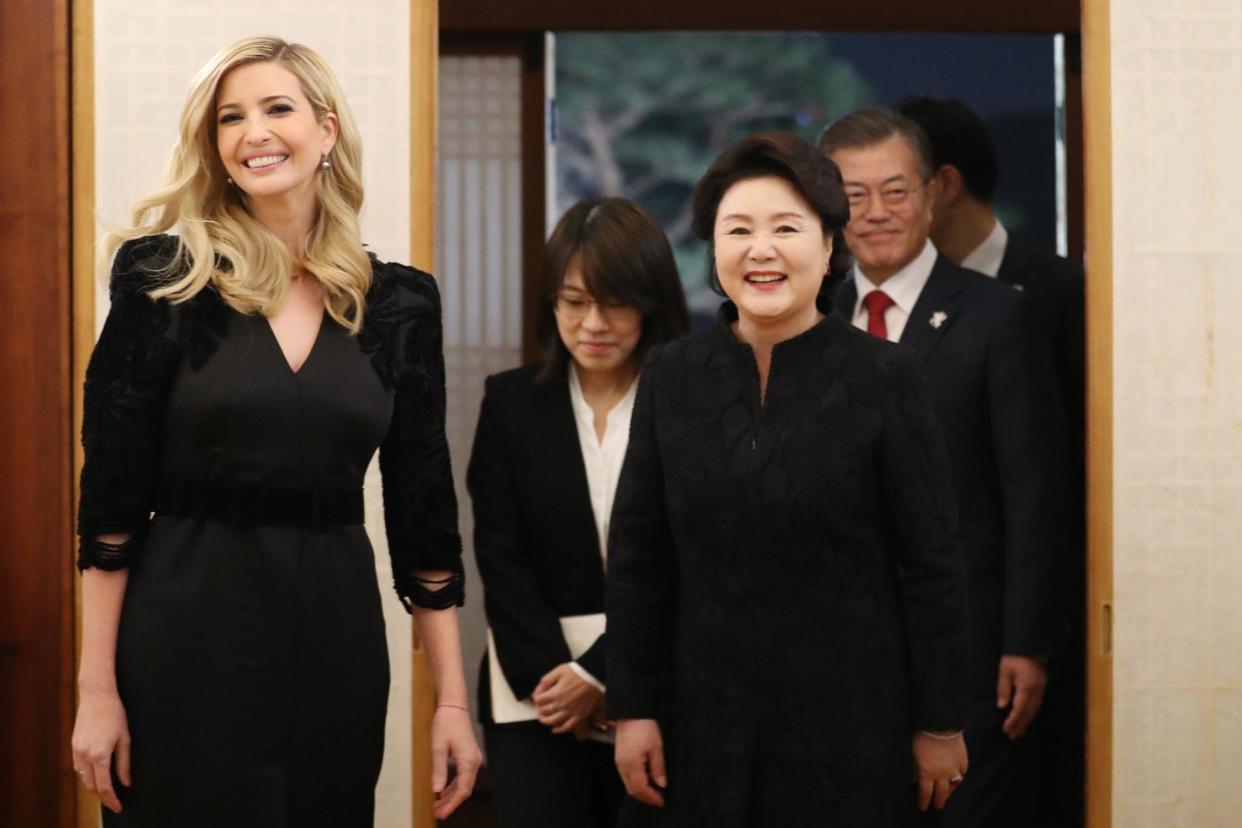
{"x":1177,"y":271}
{"x":146,"y":51}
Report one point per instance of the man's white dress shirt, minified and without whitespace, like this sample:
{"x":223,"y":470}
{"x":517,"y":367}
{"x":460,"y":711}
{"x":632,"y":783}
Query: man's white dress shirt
{"x":903,"y":287}
{"x":987,"y":257}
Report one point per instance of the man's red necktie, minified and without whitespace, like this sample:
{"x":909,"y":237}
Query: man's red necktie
{"x":877,"y":301}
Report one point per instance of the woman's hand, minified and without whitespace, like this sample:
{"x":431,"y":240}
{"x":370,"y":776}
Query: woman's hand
{"x":452,"y":737}
{"x":939,"y":766}
{"x":640,"y":760}
{"x":100,"y":731}
{"x":593,"y":725}
{"x":564,"y":699}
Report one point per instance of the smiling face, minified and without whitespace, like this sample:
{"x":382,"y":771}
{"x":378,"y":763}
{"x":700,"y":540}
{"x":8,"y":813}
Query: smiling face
{"x":268,"y":135}
{"x":890,"y":206}
{"x":600,"y":336}
{"x":771,"y":255}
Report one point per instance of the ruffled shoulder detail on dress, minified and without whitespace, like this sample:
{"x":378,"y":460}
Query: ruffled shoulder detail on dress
{"x":400,"y":298}
{"x":198,"y":324}
{"x":142,"y":264}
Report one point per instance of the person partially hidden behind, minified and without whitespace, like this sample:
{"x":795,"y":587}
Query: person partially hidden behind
{"x":965,"y":229}
{"x":786,"y":596}
{"x":542,"y":478}
{"x":991,"y":383}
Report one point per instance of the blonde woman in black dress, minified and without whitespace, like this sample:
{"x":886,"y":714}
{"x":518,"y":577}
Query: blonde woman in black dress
{"x":234,"y":667}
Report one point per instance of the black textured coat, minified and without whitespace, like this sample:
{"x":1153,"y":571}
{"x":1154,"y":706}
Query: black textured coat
{"x":785,"y":587}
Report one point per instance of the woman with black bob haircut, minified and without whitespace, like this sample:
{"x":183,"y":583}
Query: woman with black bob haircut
{"x":785,"y":517}
{"x":547,"y":455}
{"x":622,"y":257}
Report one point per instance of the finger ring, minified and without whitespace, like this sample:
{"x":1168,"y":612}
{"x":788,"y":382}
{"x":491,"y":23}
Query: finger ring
{"x":82,"y":771}
{"x":957,"y":780}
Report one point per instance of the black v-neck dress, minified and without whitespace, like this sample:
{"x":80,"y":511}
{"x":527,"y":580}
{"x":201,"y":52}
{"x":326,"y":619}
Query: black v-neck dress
{"x":251,"y":654}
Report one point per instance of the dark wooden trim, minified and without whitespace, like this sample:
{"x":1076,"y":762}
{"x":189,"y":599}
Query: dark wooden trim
{"x":481,"y":44}
{"x":37,"y":783}
{"x":534,"y":190}
{"x":1074,"y":194}
{"x":745,"y":15}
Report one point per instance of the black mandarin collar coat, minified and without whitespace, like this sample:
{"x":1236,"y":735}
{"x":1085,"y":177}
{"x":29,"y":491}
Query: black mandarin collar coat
{"x":785,"y":589}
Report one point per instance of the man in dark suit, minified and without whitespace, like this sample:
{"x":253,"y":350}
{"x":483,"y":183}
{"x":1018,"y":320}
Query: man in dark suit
{"x":990,"y":377}
{"x":965,"y":229}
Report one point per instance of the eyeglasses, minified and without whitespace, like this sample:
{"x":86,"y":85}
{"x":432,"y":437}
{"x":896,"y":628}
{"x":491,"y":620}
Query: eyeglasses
{"x":892,"y":195}
{"x":573,"y":306}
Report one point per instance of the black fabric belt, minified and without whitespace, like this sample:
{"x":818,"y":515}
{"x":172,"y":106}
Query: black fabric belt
{"x":243,"y":504}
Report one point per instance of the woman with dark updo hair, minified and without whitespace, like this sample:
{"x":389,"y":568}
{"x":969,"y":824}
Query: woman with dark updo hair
{"x":785,"y":591}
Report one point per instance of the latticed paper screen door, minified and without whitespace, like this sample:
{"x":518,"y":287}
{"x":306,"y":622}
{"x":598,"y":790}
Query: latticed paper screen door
{"x":478,"y":265}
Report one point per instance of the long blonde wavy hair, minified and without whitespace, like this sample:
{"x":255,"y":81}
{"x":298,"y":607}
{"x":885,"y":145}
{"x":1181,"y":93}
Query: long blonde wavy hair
{"x":213,"y":222}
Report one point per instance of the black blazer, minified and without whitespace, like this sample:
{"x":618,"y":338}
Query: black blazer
{"x":1056,"y":289}
{"x":534,"y":529}
{"x":992,"y":381}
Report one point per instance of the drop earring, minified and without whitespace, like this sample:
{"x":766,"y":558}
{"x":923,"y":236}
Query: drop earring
{"x":325,"y":163}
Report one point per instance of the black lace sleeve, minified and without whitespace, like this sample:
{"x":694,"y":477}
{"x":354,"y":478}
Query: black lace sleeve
{"x":124,"y":397}
{"x":420,"y":504}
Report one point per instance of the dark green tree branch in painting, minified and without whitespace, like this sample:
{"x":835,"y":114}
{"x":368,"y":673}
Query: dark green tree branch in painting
{"x":643,"y":115}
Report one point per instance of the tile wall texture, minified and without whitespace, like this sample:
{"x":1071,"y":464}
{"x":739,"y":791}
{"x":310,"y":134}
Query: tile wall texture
{"x":146,"y":52}
{"x":1177,"y":212}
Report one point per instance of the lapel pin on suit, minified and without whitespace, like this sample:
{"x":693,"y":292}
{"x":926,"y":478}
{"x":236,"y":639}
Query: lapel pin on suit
{"x":938,"y":318}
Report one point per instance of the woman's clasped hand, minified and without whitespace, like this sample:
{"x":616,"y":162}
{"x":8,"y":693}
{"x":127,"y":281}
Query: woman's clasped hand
{"x":567,"y":703}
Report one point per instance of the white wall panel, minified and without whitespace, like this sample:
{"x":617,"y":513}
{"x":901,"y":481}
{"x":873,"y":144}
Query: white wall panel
{"x":1177,"y":276}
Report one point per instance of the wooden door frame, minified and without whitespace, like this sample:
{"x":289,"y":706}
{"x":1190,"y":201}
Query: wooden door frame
{"x":1097,"y":134}
{"x":62,"y":244}
{"x":987,"y":16}
{"x":424,"y":104}
{"x":37,"y":781}
{"x":1089,"y":212}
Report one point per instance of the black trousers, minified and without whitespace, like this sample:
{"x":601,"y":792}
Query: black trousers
{"x":542,"y":780}
{"x":1062,"y":746}
{"x":1000,"y":789}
